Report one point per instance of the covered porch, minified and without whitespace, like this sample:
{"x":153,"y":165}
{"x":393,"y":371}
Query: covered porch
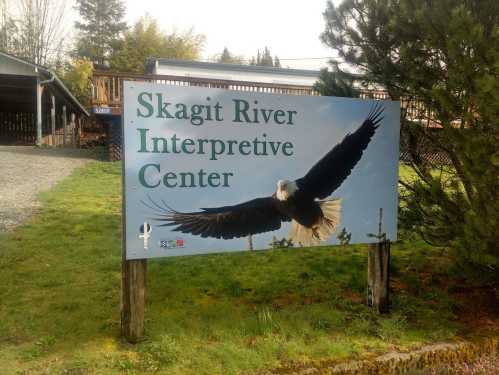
{"x":36,"y":107}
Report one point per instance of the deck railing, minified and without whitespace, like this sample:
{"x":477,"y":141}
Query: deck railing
{"x":107,"y":87}
{"x":107,"y":90}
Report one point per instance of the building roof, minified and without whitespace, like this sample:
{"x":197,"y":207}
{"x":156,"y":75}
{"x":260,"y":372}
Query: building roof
{"x":150,"y":65}
{"x":232,"y":72}
{"x":22,"y":67}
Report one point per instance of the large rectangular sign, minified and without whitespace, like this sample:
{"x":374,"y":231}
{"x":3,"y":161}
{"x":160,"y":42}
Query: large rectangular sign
{"x":206,"y":168}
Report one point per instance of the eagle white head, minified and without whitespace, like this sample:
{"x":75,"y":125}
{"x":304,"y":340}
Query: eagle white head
{"x":285,"y":189}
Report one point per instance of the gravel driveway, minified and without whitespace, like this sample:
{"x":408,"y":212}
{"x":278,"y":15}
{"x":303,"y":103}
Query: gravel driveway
{"x":25,"y":171}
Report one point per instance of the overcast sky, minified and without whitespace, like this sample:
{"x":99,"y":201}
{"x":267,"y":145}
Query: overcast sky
{"x":289,"y":28}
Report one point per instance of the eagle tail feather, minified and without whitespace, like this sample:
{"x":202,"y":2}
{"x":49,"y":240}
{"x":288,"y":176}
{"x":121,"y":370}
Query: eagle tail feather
{"x":303,"y":236}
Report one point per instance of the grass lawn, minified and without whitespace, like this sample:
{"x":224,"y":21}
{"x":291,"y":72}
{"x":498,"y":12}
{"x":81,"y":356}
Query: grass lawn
{"x":216,"y":314}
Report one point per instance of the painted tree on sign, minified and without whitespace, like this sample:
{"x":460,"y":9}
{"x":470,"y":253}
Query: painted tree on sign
{"x":444,"y":53}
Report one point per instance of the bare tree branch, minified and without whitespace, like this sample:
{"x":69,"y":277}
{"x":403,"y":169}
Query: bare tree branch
{"x":40,"y":30}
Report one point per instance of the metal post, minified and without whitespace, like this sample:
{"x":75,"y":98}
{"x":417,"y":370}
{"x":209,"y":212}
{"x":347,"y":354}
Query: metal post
{"x":79,"y":125}
{"x":52,"y":118}
{"x":64,"y":125}
{"x":250,"y":242}
{"x":73,"y":130}
{"x":39,"y":92}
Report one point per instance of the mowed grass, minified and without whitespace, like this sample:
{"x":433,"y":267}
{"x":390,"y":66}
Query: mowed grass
{"x":216,"y":314}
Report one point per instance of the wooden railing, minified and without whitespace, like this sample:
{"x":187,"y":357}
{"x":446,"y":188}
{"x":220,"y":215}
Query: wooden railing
{"x":107,"y":90}
{"x":107,"y":87}
{"x":412,"y":109}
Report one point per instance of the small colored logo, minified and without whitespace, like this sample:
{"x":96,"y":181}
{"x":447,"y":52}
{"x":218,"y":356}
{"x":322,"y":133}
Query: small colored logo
{"x":172,"y":244}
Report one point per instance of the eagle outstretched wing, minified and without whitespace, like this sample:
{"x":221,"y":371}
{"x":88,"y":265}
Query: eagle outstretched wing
{"x":329,"y":173}
{"x":251,"y":217}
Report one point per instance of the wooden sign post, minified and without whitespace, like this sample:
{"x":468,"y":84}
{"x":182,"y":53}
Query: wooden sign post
{"x":378,"y":276}
{"x":133,"y":298}
{"x":378,"y":272}
{"x":133,"y":282}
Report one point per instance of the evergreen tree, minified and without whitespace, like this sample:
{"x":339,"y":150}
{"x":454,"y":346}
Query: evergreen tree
{"x":100,"y":28}
{"x":277,"y":62}
{"x":336,"y":83}
{"x":228,"y":58}
{"x":443,"y":53}
{"x":265,"y":59}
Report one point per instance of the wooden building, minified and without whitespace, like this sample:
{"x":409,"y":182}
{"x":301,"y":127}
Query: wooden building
{"x":35,"y":106}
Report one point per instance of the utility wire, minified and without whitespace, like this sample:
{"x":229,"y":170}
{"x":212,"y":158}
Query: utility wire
{"x":210,"y":59}
{"x":214,"y":59}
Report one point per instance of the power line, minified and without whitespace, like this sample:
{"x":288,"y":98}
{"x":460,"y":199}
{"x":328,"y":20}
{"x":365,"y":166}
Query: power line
{"x":296,"y":58}
{"x":64,"y":50}
{"x":214,"y":59}
{"x":339,"y":59}
{"x":308,"y":58}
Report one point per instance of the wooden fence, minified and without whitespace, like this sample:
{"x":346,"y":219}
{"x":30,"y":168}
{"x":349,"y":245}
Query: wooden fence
{"x":414,"y":110}
{"x":17,"y":128}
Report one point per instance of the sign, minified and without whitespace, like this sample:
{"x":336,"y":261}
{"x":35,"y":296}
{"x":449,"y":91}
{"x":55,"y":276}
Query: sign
{"x":204,"y":168}
{"x":102,"y":110}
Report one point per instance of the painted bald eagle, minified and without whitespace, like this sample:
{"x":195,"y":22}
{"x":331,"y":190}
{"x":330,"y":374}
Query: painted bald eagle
{"x":303,"y":201}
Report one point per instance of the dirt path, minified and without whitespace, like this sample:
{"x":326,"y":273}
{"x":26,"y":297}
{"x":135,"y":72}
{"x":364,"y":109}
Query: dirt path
{"x":25,"y":171}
